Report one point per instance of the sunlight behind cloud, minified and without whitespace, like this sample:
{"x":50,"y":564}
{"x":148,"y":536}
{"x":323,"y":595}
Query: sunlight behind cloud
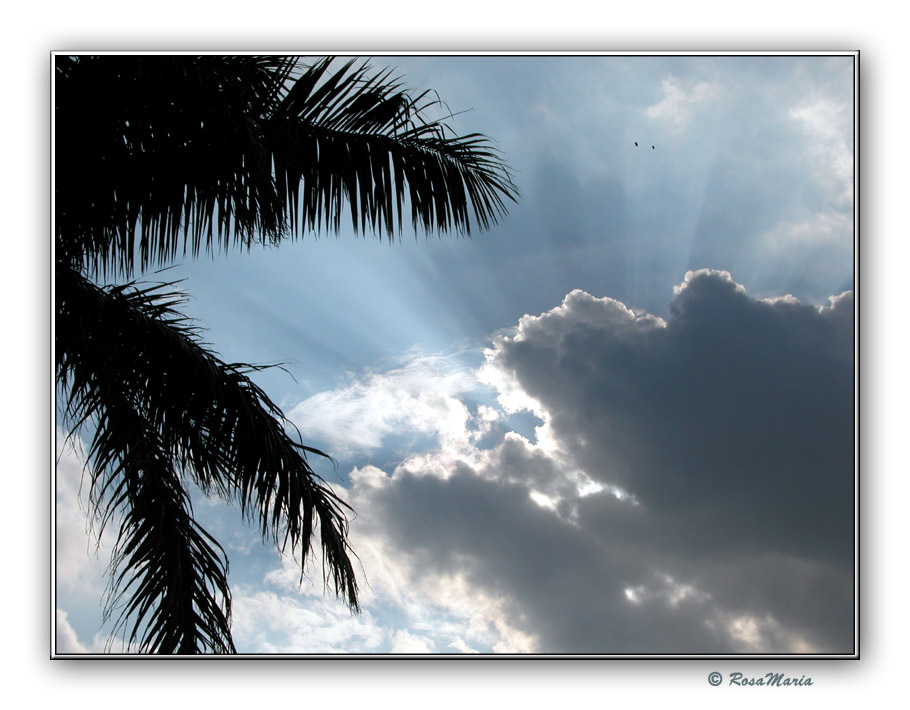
{"x":619,"y":422}
{"x":752,"y":634}
{"x":420,"y":396}
{"x":636,"y":408}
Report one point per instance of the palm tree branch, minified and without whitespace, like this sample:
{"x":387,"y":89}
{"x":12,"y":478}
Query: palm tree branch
{"x":212,"y":421}
{"x":219,"y":152}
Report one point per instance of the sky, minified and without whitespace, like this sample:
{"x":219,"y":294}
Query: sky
{"x":619,"y":422}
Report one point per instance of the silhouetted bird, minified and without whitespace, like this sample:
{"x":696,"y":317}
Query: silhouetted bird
{"x":636,"y":144}
{"x":652,"y":147}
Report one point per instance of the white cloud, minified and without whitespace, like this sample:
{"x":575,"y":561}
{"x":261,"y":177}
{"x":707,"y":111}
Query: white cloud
{"x":509,"y":394}
{"x":81,"y":560}
{"x":830,"y":227}
{"x":67,"y":640}
{"x":402,"y":611}
{"x":753,"y":634}
{"x":420,"y":397}
{"x":828,"y":123}
{"x":719,"y":274}
{"x":679,"y":98}
{"x":405,"y":642}
{"x":80,"y":563}
{"x":267,"y":622}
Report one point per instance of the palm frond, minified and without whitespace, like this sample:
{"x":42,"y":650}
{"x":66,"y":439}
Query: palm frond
{"x":154,"y":154}
{"x":348,"y":139}
{"x":164,"y":406}
{"x":192,"y":154}
{"x":168,"y":576}
{"x":162,"y":156}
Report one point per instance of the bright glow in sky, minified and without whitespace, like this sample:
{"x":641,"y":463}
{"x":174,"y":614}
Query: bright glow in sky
{"x":619,"y":422}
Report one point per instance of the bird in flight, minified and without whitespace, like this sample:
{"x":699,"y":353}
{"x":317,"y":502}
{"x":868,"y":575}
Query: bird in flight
{"x":652,"y":147}
{"x":636,"y":144}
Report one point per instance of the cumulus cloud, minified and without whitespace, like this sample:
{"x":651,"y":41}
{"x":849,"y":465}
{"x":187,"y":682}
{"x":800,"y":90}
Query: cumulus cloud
{"x":685,"y":486}
{"x":691,"y":489}
{"x":732,"y":397}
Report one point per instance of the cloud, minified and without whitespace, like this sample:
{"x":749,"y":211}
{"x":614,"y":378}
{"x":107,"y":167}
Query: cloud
{"x":827,"y":228}
{"x":419,"y":397}
{"x":405,"y":642}
{"x":828,"y":123}
{"x":404,"y":611}
{"x":737,"y":405}
{"x":81,"y":559}
{"x":691,"y":489}
{"x":678,"y":99}
{"x":80,"y":563}
{"x":268,"y":622}
{"x":679,"y":485}
{"x":67,"y":640}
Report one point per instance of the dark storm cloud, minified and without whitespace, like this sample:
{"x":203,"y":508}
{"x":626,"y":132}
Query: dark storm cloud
{"x":740,"y":407}
{"x":731,"y":426}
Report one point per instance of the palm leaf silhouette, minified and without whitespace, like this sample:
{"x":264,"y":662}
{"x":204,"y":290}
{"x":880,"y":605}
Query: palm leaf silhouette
{"x":165,"y":408}
{"x":158,"y":157}
{"x":190,"y":154}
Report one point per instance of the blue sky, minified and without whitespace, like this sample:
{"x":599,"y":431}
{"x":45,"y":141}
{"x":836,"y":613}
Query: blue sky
{"x":619,"y":422}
